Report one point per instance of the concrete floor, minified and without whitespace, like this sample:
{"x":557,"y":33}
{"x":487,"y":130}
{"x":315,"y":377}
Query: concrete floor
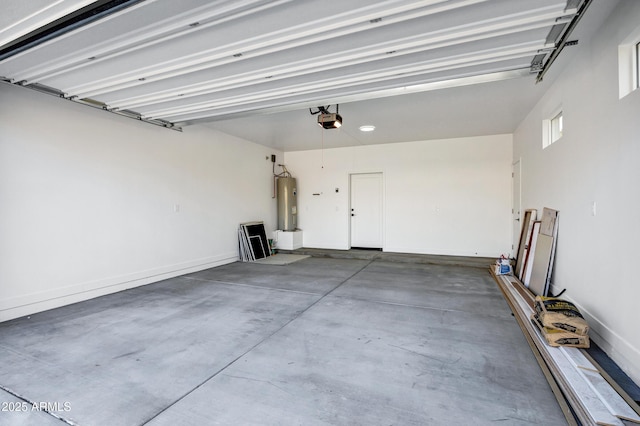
{"x":322,"y":341}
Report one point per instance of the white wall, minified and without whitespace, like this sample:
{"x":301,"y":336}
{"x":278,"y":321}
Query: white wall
{"x":88,"y":200}
{"x":448,"y":197}
{"x":596,"y":160}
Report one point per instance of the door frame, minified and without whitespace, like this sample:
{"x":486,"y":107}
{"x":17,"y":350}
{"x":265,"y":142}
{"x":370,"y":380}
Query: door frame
{"x":382,"y":206}
{"x":516,"y":205}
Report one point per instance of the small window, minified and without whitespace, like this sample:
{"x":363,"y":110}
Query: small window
{"x":638,"y":65}
{"x":556,"y":127}
{"x":629,"y":64}
{"x":552,"y":129}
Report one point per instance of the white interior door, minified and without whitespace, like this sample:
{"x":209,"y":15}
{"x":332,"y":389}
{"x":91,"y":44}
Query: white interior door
{"x":366,"y":210}
{"x":517,"y":201}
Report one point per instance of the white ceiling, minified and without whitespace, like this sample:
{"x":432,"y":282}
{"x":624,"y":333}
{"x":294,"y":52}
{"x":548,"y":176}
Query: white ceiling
{"x":252,"y":68}
{"x":482,"y":109}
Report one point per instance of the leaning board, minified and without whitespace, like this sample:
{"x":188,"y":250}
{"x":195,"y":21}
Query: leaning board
{"x":538,"y":283}
{"x":530,"y":254}
{"x":525,"y":237}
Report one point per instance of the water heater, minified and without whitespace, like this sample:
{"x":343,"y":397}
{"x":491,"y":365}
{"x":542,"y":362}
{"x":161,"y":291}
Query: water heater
{"x":287,"y":204}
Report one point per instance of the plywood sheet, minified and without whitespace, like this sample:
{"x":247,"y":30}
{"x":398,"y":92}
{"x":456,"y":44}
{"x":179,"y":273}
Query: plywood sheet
{"x":538,"y":283}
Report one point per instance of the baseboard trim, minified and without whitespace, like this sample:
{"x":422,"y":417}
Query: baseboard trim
{"x":615,"y":346}
{"x":442,"y":252}
{"x":37,"y":302}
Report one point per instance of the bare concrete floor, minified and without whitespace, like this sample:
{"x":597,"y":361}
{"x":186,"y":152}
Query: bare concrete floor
{"x":322,"y":341}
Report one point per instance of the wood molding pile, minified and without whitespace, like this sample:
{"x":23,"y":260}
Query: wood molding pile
{"x":575,"y":378}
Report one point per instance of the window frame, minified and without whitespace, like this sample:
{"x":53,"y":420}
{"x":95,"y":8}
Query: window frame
{"x":557,"y":125}
{"x":552,"y":128}
{"x":637,"y":66}
{"x":629,"y":64}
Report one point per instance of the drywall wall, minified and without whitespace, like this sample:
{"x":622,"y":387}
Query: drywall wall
{"x":92,"y":203}
{"x":591,"y":175}
{"x":447,"y":197}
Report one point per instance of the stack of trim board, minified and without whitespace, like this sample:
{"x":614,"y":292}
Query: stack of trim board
{"x":560,"y":322}
{"x":586,"y":394}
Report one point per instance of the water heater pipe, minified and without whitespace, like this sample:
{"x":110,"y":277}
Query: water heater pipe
{"x":284,"y":173}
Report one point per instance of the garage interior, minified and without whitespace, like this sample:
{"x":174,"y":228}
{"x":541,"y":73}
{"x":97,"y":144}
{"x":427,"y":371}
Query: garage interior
{"x":136,"y":136}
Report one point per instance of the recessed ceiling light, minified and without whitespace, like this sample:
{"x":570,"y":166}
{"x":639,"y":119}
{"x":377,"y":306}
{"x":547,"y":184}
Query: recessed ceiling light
{"x":367,"y":128}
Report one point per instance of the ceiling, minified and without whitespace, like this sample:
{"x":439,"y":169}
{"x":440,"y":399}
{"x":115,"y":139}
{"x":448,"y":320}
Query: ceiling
{"x":252,"y":68}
